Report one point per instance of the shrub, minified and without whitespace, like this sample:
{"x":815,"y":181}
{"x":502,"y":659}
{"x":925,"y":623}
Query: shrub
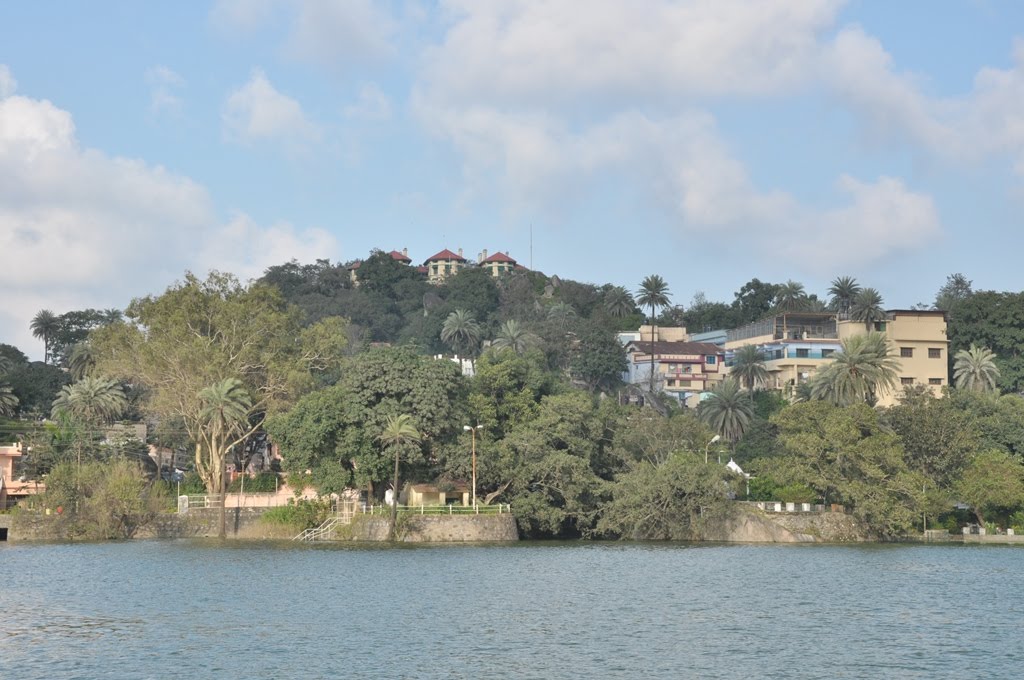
{"x":301,"y":514}
{"x":264,"y":482}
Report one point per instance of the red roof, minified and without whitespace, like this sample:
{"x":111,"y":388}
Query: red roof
{"x":499,"y":257}
{"x":355,"y":265}
{"x":422,"y":269}
{"x":401,"y":257}
{"x":446,"y":255}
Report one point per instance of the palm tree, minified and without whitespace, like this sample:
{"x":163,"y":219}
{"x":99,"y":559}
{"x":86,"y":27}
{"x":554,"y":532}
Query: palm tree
{"x":561,"y":313}
{"x":748,"y":367}
{"x":225,"y":417}
{"x":867,"y":307}
{"x":8,"y":402}
{"x":461,"y":332}
{"x":858,"y":371}
{"x":975,"y":369}
{"x":653,"y":294}
{"x":618,"y":302}
{"x":81,"y":361}
{"x":399,"y":433}
{"x":727,"y":410}
{"x":843,"y":291}
{"x":513,"y":336}
{"x":44,"y":325}
{"x":791,"y":296}
{"x":92,"y":400}
{"x":5,"y":364}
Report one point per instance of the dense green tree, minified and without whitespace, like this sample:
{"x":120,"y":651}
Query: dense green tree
{"x":754,"y":301}
{"x":74,"y":327}
{"x":474,"y":290}
{"x":36,"y":385}
{"x":727,"y":410}
{"x":507,"y":389}
{"x":992,"y":480}
{"x":956,"y":289}
{"x":598,"y":358}
{"x":975,"y":369}
{"x":44,"y":324}
{"x":846,"y":457}
{"x":645,"y":437}
{"x":555,"y":469}
{"x":842,"y":293}
{"x":938,"y":436}
{"x":858,"y":372}
{"x":331,"y":433}
{"x":200,"y":333}
{"x":670,"y":501}
{"x":748,"y":367}
{"x":996,"y":321}
{"x":703,"y":315}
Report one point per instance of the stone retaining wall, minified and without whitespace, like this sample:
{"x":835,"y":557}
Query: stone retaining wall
{"x":436,"y":529}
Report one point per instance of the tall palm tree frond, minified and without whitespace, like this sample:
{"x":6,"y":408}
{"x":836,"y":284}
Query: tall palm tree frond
{"x":975,"y":369}
{"x":867,"y":307}
{"x":858,"y":372}
{"x":512,"y":335}
{"x":748,"y":367}
{"x":618,"y":302}
{"x":561,"y":313}
{"x":842,"y":293}
{"x":82,"y":360}
{"x":727,"y":410}
{"x":226,"y":405}
{"x":461,"y":332}
{"x":8,"y":401}
{"x":653,"y":294}
{"x":95,"y":400}
{"x":791,"y":296}
{"x":44,"y":325}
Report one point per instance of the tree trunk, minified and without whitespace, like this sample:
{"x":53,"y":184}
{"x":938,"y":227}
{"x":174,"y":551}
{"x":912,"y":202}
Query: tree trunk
{"x":394,"y":501}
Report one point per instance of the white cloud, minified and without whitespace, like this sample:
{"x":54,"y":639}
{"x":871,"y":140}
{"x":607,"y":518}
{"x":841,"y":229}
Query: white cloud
{"x":241,"y":15}
{"x":335,"y":34}
{"x":372,"y":104}
{"x":246,"y":249}
{"x":649,"y":49}
{"x":882,"y":219}
{"x":338,"y":34}
{"x":258,"y":112}
{"x":8,"y":84}
{"x":79,"y":228}
{"x":163,"y":83}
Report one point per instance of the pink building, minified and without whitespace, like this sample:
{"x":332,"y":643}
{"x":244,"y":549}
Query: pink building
{"x":11,"y":490}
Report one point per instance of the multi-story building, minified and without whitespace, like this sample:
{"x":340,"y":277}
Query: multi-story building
{"x":683,"y":370}
{"x":444,"y":264}
{"x":795,"y":345}
{"x":499,"y":263}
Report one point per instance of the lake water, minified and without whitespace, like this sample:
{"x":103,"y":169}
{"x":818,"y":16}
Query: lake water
{"x":200,"y":609}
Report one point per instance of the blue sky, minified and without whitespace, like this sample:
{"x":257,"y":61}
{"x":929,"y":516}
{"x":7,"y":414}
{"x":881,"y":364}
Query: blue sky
{"x":709,"y":141}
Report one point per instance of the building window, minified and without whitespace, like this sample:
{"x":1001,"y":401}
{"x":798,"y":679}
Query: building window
{"x":671,"y":382}
{"x":710,"y":359}
{"x":934,"y":353}
{"x":906,"y":381}
{"x":906,"y":352}
{"x":687,"y":369}
{"x":447,"y":269}
{"x":435,"y":270}
{"x":685,"y":383}
{"x":777,"y":354}
{"x":880,"y":326}
{"x":934,"y":381}
{"x":802,"y":353}
{"x":826,"y":353}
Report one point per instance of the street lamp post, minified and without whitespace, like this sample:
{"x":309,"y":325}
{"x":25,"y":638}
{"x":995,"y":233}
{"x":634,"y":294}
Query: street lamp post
{"x":708,"y":446}
{"x":472,"y":431}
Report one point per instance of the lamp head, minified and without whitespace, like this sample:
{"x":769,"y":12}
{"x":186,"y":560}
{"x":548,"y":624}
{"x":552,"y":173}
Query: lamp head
{"x":716,"y":438}
{"x":467,"y":428}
